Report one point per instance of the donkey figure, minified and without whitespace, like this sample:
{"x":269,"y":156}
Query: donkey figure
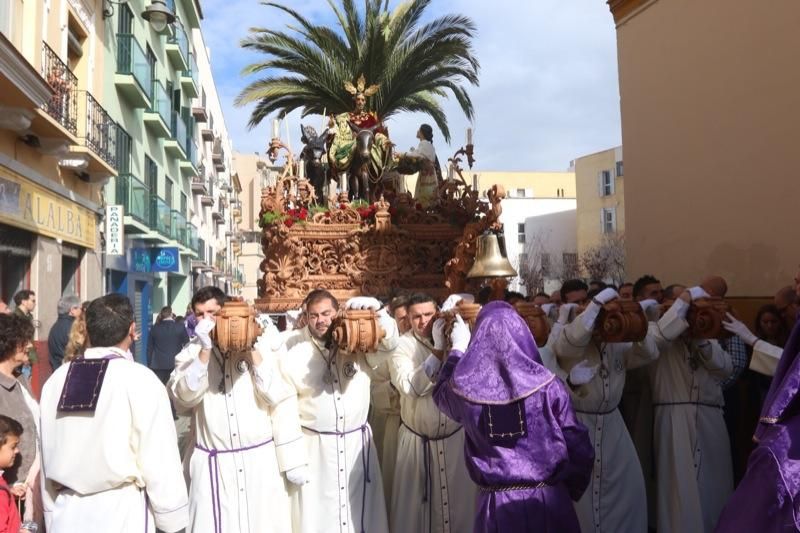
{"x":312,"y":154}
{"x":361,"y":172}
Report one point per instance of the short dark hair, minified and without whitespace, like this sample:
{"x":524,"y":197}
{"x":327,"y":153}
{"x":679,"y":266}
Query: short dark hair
{"x":513,"y":294}
{"x":209,"y":292}
{"x":572,"y":285}
{"x":317,"y":295}
{"x":669,"y":289}
{"x":599,"y":283}
{"x":541,"y":294}
{"x":398,"y":302}
{"x":165,"y":313}
{"x":24,"y":294}
{"x":420,"y":298}
{"x":108,"y":320}
{"x":9,"y":428}
{"x":15,"y":333}
{"x":643,"y":282}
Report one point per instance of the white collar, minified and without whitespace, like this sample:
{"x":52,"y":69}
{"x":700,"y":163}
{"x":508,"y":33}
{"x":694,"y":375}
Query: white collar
{"x":98,"y":353}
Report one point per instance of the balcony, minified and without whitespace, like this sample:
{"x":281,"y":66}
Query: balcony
{"x":190,"y":166}
{"x":134,"y":196}
{"x":98,"y":135}
{"x":160,"y":216}
{"x":200,"y":114}
{"x":199,"y":185}
{"x":207,"y":135}
{"x":193,"y":238}
{"x":134,"y":77}
{"x":219,"y":215}
{"x":189,"y":81}
{"x":207,"y":200}
{"x":63,"y":106}
{"x":218,"y":156}
{"x":157,"y":117}
{"x":178,"y":49}
{"x":179,"y":228}
{"x":176,"y":144}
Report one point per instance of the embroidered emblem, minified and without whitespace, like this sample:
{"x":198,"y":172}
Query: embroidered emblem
{"x":243,"y":366}
{"x":350,"y":369}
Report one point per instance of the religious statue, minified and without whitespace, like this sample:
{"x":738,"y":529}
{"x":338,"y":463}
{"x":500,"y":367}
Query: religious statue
{"x":360,"y":146}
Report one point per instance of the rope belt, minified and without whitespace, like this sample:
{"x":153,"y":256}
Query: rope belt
{"x":366,"y":443}
{"x":517,"y":486}
{"x":426,"y":451}
{"x":213,"y":474}
{"x":701,"y":404}
{"x":597,"y":412}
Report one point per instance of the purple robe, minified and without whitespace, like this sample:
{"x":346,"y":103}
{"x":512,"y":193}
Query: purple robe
{"x":768,"y":497}
{"x":520,"y":428}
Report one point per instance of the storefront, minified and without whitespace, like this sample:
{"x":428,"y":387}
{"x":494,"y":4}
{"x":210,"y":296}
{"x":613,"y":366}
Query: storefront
{"x":48,"y":243}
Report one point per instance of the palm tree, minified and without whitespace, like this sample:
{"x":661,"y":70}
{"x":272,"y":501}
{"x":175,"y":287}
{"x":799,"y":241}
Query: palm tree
{"x":414,"y":65}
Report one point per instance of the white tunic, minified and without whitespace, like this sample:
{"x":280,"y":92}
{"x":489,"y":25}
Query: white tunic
{"x":345,"y":493}
{"x":765,"y":358}
{"x":694,"y":473}
{"x":432,"y":490}
{"x":98,"y":470}
{"x":247,"y":431}
{"x":384,"y":419}
{"x":615,"y":499}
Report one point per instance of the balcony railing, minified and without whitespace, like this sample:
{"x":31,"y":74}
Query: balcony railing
{"x":63,"y":106}
{"x":193,"y":71}
{"x":201,"y":249}
{"x":199,"y":185}
{"x":132,"y":60}
{"x":160,"y":102}
{"x":181,"y":40}
{"x":179,"y":227}
{"x":193,"y":237}
{"x":135,"y":197}
{"x":179,"y":132}
{"x":101,"y":131}
{"x":160,"y":216}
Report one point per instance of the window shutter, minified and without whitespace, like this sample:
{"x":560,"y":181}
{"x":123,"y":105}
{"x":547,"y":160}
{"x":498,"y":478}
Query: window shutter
{"x":613,"y":212}
{"x":602,"y":220}
{"x":613,"y":184}
{"x":600,"y":183}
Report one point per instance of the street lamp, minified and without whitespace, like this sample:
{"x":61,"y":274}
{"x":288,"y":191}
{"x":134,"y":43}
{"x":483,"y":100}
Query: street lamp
{"x":158,"y":15}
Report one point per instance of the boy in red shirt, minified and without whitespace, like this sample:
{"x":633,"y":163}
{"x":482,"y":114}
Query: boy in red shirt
{"x":10,"y":432}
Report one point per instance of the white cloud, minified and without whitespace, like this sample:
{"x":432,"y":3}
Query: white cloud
{"x":548,"y":93}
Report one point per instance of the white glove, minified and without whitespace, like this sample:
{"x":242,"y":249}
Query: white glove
{"x":738,"y":328}
{"x":606,"y":295}
{"x":459,"y":337}
{"x":453,"y":300}
{"x":293,"y":318}
{"x":582,"y":373}
{"x":298,"y":475}
{"x":203,"y":332}
{"x":698,"y":292}
{"x":651,"y":309}
{"x":547,"y":308}
{"x":387,"y":323}
{"x":438,"y":334}
{"x":363,"y":302}
{"x":564,"y":312}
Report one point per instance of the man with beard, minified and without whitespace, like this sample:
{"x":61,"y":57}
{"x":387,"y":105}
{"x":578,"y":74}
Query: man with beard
{"x":345,"y":489}
{"x":432,"y":490}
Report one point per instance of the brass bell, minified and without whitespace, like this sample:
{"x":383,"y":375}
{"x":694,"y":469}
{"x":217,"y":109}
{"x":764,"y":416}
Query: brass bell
{"x":490,"y":258}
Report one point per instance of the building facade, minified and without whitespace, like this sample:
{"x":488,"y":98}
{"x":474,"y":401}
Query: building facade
{"x":709,"y":115}
{"x":174,"y":179}
{"x":600,"y":202}
{"x":530,"y":195}
{"x":57,"y":149}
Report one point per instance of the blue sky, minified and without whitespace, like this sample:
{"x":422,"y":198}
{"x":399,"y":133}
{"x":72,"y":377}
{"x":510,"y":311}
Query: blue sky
{"x":548,"y":92}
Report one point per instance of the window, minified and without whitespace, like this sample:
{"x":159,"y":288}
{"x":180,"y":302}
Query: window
{"x":521,"y":232}
{"x":184,"y":205}
{"x":151,"y":175}
{"x":619,"y":168}
{"x":169,"y":185}
{"x":124,"y":149}
{"x":570,"y":261}
{"x":5,"y":17}
{"x":609,"y":219}
{"x":151,"y":60}
{"x":606,"y":182}
{"x":474,"y":182}
{"x":520,"y":193}
{"x":546,"y":264}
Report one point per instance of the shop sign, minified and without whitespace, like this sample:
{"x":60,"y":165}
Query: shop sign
{"x":115,"y":230}
{"x":26,"y":205}
{"x":148,"y":260}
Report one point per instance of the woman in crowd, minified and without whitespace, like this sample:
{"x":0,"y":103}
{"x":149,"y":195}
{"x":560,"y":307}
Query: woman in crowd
{"x":16,"y":401}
